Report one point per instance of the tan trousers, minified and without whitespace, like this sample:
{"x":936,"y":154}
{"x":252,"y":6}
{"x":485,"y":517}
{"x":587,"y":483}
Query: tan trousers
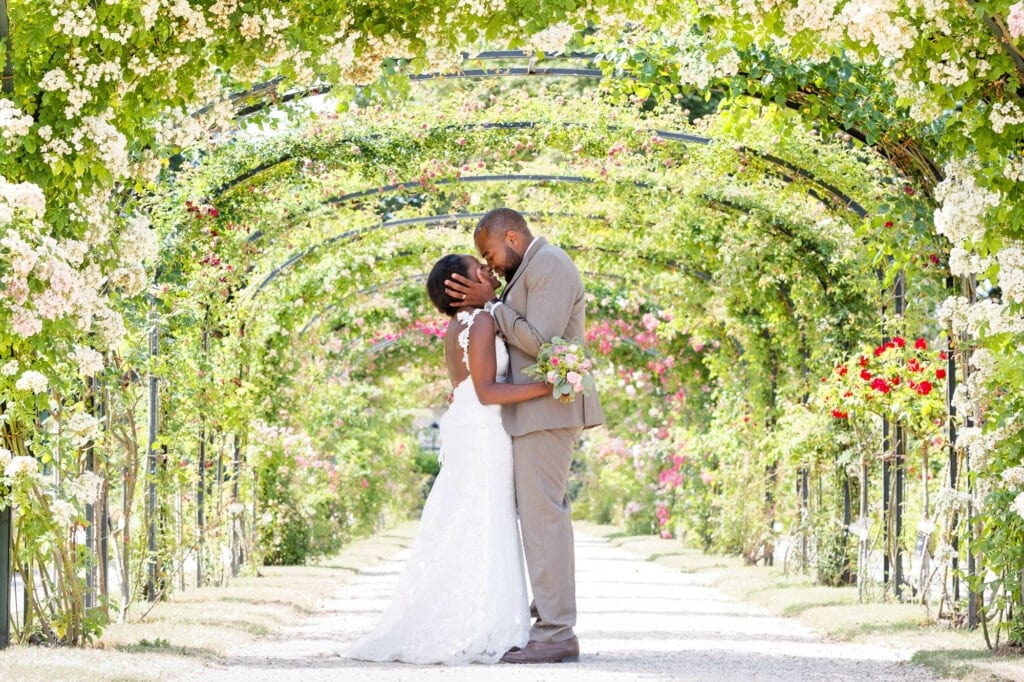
{"x":541,"y":466}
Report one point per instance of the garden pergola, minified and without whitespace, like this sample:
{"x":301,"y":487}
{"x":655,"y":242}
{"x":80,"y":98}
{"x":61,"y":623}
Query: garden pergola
{"x":814,"y":132}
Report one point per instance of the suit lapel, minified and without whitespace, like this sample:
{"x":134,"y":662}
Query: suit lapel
{"x":541,"y":243}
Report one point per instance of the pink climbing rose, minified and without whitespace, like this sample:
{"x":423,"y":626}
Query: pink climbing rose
{"x":1015,"y":20}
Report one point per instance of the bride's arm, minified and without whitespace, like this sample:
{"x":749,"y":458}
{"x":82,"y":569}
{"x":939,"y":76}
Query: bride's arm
{"x":483,"y":366}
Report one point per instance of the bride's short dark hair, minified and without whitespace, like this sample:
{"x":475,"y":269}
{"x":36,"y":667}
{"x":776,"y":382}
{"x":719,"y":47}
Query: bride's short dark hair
{"x":442,"y":270}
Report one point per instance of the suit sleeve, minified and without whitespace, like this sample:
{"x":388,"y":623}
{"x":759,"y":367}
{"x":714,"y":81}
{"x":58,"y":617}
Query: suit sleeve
{"x":551,"y":289}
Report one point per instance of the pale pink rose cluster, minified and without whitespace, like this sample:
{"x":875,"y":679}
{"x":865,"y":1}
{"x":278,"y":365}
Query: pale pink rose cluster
{"x":1015,"y":20}
{"x":35,"y":260}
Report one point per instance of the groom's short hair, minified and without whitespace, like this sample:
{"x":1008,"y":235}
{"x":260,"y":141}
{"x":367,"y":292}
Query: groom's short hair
{"x":501,"y":220}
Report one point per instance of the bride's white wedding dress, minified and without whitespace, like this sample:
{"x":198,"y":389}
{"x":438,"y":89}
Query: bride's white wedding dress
{"x":462,"y":596}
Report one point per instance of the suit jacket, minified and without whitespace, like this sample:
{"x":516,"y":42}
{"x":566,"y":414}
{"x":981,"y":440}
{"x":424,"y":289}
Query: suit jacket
{"x":543,"y":299}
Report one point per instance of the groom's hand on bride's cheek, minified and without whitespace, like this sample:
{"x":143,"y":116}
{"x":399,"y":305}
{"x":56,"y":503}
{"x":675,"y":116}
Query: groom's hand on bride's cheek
{"x":468,"y":292}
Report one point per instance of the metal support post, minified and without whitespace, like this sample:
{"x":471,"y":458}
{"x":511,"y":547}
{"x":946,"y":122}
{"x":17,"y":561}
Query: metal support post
{"x":151,"y":460}
{"x":5,"y":577}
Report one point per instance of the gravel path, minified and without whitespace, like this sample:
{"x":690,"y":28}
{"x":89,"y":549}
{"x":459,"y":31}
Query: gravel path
{"x":638,"y":620}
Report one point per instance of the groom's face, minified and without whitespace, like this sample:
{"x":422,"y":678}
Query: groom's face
{"x":499,"y":252}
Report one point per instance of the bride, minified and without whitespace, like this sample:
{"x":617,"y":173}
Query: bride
{"x":462,"y":596}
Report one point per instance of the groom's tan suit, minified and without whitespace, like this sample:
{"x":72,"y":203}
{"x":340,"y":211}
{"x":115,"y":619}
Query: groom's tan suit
{"x":545,"y":299}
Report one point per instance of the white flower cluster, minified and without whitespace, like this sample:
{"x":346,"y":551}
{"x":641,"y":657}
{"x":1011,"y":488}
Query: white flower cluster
{"x":111,"y":327}
{"x":339,"y":48}
{"x":56,"y":80}
{"x":692,"y":58}
{"x":138,"y":245}
{"x":366,"y":68}
{"x":953,"y":313}
{"x":13,"y":123}
{"x":1011,"y":272}
{"x":64,"y":513}
{"x":95,"y":132}
{"x":1018,"y":505}
{"x":47,"y":280}
{"x":878,"y":22}
{"x":814,"y":15}
{"x":443,"y":59}
{"x":962,"y":402}
{"x":192,"y":22}
{"x":89,"y":361}
{"x":111,"y":145}
{"x":5,"y":458}
{"x":1014,"y":477}
{"x":21,"y":466}
{"x":121,"y":35}
{"x":33,"y":381}
{"x":179,"y":129}
{"x":78,"y":22}
{"x":86,"y":488}
{"x":270,"y":28}
{"x":82,"y":428}
{"x":979,"y":445}
{"x":994,"y":318}
{"x":553,"y":39}
{"x":10,"y":368}
{"x":949,"y":501}
{"x":24,"y":199}
{"x":964,"y":205}
{"x":984,"y":364}
{"x":924,"y":105}
{"x":221,"y":12}
{"x":1014,"y":169}
{"x":1005,"y":114}
{"x":949,"y":70}
{"x":963,"y":262}
{"x":934,"y":11}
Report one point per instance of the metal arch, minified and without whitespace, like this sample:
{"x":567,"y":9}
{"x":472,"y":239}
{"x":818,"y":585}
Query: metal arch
{"x":348,"y":234}
{"x":687,"y":138}
{"x":510,"y":71}
{"x":456,"y":217}
{"x":269,"y":87}
{"x":825,"y":278}
{"x":396,"y":187}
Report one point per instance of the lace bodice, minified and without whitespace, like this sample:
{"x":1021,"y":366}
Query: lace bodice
{"x":500,"y":351}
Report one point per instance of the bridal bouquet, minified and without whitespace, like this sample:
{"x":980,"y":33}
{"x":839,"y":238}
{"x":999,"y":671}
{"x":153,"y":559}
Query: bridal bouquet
{"x":566,"y":365}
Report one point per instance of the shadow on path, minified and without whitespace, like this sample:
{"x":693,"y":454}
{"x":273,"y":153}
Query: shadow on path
{"x":637,"y":620}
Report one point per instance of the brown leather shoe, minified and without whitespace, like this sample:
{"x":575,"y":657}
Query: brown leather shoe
{"x":545,"y":652}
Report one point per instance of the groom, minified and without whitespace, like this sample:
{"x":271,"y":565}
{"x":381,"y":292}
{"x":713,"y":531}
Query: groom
{"x":543,"y":298}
